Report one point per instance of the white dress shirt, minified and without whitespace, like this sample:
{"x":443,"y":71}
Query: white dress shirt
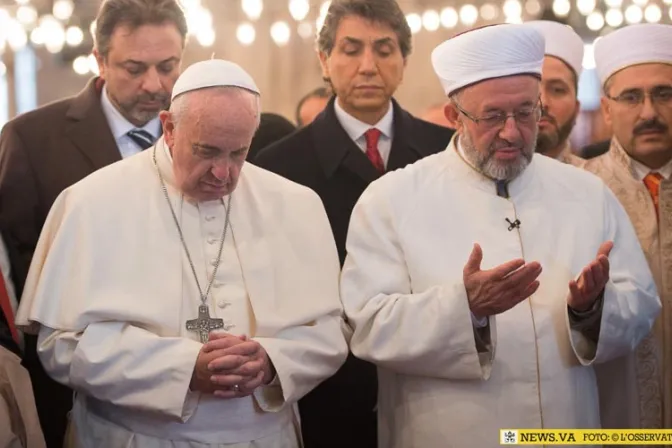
{"x":120,"y":127}
{"x":356,"y":130}
{"x":640,"y":171}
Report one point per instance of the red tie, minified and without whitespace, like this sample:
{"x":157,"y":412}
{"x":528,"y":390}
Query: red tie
{"x":372,"y":136}
{"x":652,"y":182}
{"x":7,"y":308}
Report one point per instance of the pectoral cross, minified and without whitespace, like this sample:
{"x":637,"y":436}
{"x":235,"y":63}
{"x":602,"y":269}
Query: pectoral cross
{"x":204,"y":324}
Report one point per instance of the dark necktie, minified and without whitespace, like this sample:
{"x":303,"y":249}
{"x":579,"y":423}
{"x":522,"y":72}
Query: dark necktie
{"x":141,"y":138}
{"x":502,"y":188}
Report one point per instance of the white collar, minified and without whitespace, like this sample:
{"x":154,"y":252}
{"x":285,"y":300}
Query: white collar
{"x":356,"y":128}
{"x":120,"y":125}
{"x":640,"y":171}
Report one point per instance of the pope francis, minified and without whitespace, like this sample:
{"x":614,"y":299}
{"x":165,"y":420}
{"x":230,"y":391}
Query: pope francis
{"x":188,"y":298}
{"x":486,"y":281}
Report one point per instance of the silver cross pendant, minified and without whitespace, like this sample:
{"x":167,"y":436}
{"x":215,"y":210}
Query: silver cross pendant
{"x":204,"y":324}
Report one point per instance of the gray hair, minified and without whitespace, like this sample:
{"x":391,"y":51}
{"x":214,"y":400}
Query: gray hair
{"x":135,"y":13}
{"x":387,"y":12}
{"x":180,"y":105}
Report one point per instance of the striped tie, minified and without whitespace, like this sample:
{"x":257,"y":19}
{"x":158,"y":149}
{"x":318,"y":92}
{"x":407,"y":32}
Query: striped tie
{"x":141,"y":138}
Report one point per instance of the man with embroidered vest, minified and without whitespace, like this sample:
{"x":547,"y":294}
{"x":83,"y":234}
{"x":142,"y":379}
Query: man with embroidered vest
{"x":198,"y":303}
{"x":634,"y":64}
{"x":362,"y":134}
{"x":562,"y":68}
{"x":138,"y":46}
{"x":486,"y":281}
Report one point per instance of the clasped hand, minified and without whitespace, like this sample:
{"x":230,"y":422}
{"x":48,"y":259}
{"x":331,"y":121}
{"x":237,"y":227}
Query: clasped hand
{"x":501,"y":288}
{"x":231,"y":366}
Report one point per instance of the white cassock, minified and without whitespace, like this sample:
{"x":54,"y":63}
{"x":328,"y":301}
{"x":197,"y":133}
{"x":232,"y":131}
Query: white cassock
{"x":110,"y":289}
{"x":410,"y":236}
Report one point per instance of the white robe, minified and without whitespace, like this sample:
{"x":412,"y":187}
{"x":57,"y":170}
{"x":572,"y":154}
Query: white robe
{"x":110,"y":289}
{"x":411,"y":234}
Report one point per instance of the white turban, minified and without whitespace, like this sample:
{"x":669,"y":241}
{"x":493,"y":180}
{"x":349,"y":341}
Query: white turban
{"x":632,"y":45}
{"x":213,"y":73}
{"x":485,"y":53}
{"x":562,"y":42}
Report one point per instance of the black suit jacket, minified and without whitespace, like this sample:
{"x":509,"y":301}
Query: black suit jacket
{"x":340,"y":412}
{"x":596,"y":149}
{"x":42,"y":153}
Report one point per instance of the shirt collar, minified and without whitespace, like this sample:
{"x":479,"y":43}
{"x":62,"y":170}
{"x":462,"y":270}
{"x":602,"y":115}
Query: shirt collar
{"x":356,"y":128}
{"x":640,"y":171}
{"x":119,"y":125}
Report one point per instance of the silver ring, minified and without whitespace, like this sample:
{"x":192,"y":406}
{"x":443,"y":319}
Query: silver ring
{"x":236,"y":388}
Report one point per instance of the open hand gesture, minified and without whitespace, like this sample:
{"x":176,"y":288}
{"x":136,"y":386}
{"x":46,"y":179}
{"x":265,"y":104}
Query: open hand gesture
{"x":501,"y":288}
{"x":594,"y":277}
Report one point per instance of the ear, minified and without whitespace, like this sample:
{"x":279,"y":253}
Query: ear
{"x":168,"y":126}
{"x":606,"y":111}
{"x":577,"y":110}
{"x":452,"y":115}
{"x":101,"y":63}
{"x":324,"y":58}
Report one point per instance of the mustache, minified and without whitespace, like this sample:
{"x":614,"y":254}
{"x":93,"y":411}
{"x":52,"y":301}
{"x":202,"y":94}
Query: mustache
{"x":546,"y":116}
{"x":649,"y":125}
{"x":152,"y":97}
{"x":501,"y":144}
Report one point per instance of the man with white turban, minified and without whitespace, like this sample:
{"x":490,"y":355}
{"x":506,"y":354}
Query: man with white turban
{"x":560,"y":74}
{"x":487,"y":281}
{"x":189,"y":298}
{"x":634,"y":64}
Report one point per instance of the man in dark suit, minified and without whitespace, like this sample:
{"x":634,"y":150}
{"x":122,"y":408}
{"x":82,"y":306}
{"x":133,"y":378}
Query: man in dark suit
{"x":596,"y":149}
{"x":362,"y":133}
{"x":139,"y":45}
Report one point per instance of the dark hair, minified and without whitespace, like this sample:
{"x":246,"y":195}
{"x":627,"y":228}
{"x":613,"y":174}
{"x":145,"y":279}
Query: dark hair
{"x":135,"y":13}
{"x":272,"y":128}
{"x":320,"y":92}
{"x":387,"y":12}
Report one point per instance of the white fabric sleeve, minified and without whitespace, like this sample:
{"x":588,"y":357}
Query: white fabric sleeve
{"x":124,"y":365}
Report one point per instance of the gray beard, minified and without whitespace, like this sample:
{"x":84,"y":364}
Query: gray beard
{"x":491,"y":167}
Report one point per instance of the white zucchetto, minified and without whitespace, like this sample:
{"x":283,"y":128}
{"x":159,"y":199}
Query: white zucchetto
{"x":632,"y":45}
{"x":213,"y":73}
{"x":562,"y":42}
{"x":489,"y":52}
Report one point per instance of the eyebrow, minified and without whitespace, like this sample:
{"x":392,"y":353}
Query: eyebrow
{"x":215,"y":148}
{"x":206,"y":146}
{"x":132,"y":61}
{"x":557,"y":81}
{"x":381,"y":41}
{"x":499,"y":109}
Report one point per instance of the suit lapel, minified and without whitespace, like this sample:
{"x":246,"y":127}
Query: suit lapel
{"x":88,"y":129}
{"x":335,"y":148}
{"x":405,"y":149}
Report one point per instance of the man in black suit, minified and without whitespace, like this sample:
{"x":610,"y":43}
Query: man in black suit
{"x":139,"y":46}
{"x":595,"y":149}
{"x":362,"y":133}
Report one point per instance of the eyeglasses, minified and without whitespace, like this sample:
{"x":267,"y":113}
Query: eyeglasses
{"x":525,"y":116}
{"x":660,"y":96}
